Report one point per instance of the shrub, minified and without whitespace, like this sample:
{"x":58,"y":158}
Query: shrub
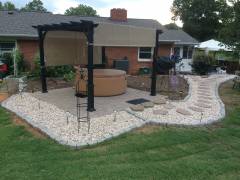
{"x":202,"y":64}
{"x":57,"y":71}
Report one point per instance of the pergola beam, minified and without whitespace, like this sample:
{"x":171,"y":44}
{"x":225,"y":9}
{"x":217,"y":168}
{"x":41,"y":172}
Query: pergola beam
{"x":154,"y":65}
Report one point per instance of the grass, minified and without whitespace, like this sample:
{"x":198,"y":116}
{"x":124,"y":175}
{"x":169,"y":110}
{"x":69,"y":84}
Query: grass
{"x":152,"y":152}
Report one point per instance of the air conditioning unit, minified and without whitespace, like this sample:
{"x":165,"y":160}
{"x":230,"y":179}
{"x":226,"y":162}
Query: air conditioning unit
{"x":121,"y":64}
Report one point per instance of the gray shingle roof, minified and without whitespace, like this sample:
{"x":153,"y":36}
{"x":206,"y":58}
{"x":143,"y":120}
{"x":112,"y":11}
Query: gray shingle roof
{"x":178,"y":36}
{"x":19,"y":24}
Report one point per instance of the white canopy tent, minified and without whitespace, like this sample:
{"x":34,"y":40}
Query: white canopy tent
{"x":213,"y":45}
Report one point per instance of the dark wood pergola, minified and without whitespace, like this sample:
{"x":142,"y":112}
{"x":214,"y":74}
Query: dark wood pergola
{"x":87,"y":27}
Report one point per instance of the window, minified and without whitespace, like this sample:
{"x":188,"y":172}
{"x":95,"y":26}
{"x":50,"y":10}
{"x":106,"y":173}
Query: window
{"x":177,"y":51}
{"x":6,"y":47}
{"x":185,"y":52}
{"x":190,"y":52}
{"x":145,"y":54}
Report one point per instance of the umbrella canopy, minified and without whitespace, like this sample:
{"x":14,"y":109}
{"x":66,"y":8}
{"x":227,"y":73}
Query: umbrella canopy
{"x":213,"y":45}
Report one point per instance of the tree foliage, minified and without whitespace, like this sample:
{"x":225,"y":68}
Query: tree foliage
{"x":35,"y":5}
{"x":81,"y":10}
{"x":230,"y":31}
{"x":201,"y":18}
{"x":7,"y":6}
{"x":172,"y":26}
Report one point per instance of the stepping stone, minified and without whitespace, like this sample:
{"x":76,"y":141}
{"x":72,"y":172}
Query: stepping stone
{"x":183,"y":112}
{"x":138,"y":107}
{"x":162,"y":97}
{"x":203,"y":105}
{"x":196,"y":109}
{"x":160,"y":101}
{"x":169,"y":106}
{"x":160,"y":112}
{"x":204,"y":94}
{"x":204,"y":88}
{"x":203,"y":101}
{"x":205,"y":97}
{"x":148,"y":104}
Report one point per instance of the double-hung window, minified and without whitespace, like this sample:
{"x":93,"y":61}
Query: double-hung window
{"x":145,"y":54}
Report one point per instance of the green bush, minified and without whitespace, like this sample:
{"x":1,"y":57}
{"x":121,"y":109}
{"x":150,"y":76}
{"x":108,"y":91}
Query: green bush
{"x":69,"y":76}
{"x":58,"y":71}
{"x":202,"y":64}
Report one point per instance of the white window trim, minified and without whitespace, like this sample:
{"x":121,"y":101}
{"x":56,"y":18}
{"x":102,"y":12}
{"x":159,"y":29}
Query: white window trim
{"x":145,"y":60}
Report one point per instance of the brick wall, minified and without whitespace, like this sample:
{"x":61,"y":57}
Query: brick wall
{"x":29,"y":49}
{"x":131,"y":53}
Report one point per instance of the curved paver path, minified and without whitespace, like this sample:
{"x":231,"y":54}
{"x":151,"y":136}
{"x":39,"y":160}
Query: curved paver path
{"x":202,"y":106}
{"x":202,"y":102}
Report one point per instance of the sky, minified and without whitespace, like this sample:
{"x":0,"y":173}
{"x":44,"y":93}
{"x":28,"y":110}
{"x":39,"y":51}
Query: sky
{"x":145,"y":9}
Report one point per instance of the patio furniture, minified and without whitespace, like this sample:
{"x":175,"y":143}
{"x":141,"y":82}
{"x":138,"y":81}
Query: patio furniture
{"x":236,"y":82}
{"x":107,"y":82}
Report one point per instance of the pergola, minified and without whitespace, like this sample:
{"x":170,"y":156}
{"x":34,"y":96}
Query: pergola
{"x":88,"y":28}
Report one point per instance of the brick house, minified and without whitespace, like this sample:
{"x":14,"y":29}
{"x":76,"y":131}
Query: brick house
{"x":16,"y":31}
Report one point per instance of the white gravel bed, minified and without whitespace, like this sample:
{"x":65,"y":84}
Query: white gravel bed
{"x":63,"y":127}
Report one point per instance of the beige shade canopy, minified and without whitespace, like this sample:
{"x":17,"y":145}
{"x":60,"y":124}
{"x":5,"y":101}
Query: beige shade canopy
{"x":70,"y":47}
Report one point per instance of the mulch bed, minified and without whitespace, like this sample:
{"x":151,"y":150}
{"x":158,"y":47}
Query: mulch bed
{"x":175,"y":87}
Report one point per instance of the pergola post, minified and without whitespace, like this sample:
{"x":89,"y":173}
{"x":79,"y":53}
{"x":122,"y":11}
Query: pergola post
{"x":90,"y":37}
{"x":42,"y":61}
{"x":154,"y":65}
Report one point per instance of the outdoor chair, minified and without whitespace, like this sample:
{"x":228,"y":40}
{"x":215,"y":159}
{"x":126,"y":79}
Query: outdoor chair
{"x":236,"y":82}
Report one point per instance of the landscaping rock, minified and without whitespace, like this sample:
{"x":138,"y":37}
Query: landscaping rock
{"x":183,"y":112}
{"x":138,"y":107}
{"x":148,"y":104}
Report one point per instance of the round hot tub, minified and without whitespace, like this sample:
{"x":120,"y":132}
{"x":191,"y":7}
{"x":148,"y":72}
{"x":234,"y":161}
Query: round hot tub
{"x":107,"y":82}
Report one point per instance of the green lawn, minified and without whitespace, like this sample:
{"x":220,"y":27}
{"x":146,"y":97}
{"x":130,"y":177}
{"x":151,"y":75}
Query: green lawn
{"x":152,"y":152}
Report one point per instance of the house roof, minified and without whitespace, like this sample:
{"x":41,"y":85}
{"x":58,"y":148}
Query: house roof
{"x":19,"y":24}
{"x":179,"y":37}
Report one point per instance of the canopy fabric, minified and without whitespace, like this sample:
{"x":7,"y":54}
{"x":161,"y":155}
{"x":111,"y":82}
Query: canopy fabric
{"x":213,"y":45}
{"x":122,"y":35}
{"x":70,"y":47}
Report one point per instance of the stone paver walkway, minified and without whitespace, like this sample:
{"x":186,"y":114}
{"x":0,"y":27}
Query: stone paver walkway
{"x":202,"y":106}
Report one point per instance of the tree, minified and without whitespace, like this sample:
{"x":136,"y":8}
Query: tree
{"x":201,"y":18}
{"x":35,"y":5}
{"x":172,"y":26}
{"x":8,"y":6}
{"x":230,"y":31}
{"x":81,"y":10}
{"x":1,"y":6}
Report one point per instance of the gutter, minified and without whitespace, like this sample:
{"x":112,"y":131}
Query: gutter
{"x":19,"y":36}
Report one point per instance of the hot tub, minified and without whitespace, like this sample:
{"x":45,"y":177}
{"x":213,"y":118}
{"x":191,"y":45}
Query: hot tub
{"x":107,"y":82}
